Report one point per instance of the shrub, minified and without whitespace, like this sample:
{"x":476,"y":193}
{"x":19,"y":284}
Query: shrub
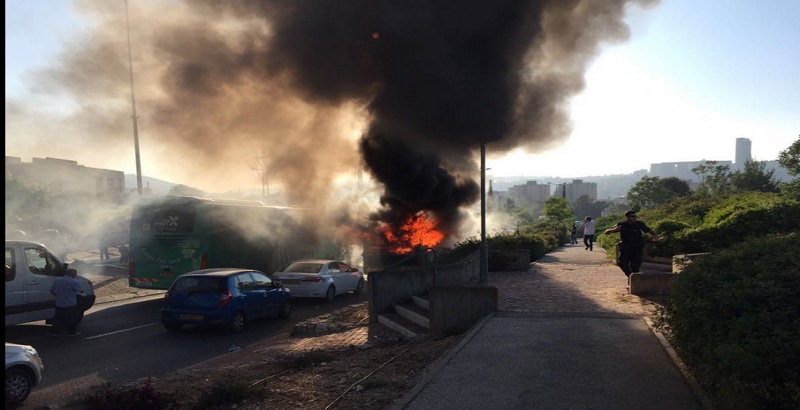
{"x":539,"y":239}
{"x":730,"y":206}
{"x":307,"y":359}
{"x":734,"y":317}
{"x":773,"y":218}
{"x":228,"y":392}
{"x":143,"y":397}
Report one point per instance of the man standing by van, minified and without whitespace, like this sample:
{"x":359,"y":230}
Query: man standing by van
{"x":66,"y":290}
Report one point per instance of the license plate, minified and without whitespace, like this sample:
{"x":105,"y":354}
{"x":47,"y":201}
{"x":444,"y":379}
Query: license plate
{"x":194,"y":318}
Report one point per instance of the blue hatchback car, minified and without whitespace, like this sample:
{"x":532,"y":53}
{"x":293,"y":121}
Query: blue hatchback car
{"x":223,"y":297}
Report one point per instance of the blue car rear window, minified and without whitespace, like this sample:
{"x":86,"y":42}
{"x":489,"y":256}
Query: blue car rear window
{"x":198,"y":284}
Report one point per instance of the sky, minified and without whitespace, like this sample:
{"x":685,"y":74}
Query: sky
{"x":690,"y":78}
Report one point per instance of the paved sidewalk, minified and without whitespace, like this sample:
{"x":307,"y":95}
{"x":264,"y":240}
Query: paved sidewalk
{"x":567,"y":336}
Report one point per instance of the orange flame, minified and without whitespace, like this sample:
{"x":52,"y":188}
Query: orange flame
{"x":415,"y":231}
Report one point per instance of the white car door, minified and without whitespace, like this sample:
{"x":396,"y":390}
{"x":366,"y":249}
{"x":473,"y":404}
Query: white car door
{"x":350,"y":277}
{"x":336,"y":274}
{"x":16,"y":298}
{"x":43,"y":269}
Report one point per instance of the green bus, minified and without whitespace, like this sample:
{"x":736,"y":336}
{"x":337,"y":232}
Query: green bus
{"x":172,"y":235}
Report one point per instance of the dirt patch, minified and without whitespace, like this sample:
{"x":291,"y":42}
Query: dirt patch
{"x":368,"y":376}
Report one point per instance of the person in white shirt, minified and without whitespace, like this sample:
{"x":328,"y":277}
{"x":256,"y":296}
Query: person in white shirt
{"x":588,"y":232}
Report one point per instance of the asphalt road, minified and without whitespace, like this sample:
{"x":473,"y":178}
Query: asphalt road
{"x":123,"y":340}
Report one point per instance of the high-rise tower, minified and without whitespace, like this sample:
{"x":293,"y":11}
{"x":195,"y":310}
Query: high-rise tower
{"x":742,"y":152}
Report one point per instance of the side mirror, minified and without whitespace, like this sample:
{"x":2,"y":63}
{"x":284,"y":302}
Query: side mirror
{"x":277,"y":284}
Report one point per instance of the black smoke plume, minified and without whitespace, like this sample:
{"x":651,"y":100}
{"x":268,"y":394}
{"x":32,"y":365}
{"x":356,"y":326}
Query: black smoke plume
{"x":441,"y":77}
{"x":431,"y":80}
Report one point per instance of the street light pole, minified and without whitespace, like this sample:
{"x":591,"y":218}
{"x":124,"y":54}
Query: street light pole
{"x":134,"y":116}
{"x":484,"y":249}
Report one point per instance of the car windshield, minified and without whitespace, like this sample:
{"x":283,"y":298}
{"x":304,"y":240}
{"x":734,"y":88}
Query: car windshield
{"x":303,"y":267}
{"x":198,"y":284}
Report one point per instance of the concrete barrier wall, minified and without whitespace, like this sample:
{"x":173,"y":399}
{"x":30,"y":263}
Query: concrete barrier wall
{"x":455,"y":308}
{"x":390,"y":287}
{"x":651,"y":283}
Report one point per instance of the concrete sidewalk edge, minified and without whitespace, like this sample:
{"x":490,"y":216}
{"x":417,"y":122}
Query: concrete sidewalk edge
{"x":434,"y":368}
{"x":676,"y":360}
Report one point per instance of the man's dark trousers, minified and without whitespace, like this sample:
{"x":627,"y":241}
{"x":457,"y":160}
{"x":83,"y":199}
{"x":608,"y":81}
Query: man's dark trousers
{"x":66,"y":317}
{"x":630,"y":259}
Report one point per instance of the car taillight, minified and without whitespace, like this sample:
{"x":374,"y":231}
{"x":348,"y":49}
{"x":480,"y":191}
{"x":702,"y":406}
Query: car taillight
{"x":225,"y":298}
{"x":204,"y":261}
{"x":312,"y":279}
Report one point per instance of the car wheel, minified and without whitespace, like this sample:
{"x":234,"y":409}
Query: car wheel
{"x":330,"y":294}
{"x":18,"y":386}
{"x":359,"y":287}
{"x":237,"y":323}
{"x":172,"y":326}
{"x":286,"y":310}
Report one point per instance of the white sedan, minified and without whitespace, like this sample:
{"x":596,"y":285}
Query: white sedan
{"x":320,"y":278}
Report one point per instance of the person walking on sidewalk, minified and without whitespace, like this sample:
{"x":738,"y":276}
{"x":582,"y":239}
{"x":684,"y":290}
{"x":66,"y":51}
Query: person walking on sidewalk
{"x":66,"y":290}
{"x":631,"y":245}
{"x":104,"y":247}
{"x":588,"y":232}
{"x":573,"y":234}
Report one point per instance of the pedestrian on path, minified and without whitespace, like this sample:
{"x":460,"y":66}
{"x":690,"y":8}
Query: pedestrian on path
{"x":631,"y":245}
{"x":573,"y":235}
{"x":588,"y":232}
{"x":66,"y":290}
{"x":104,"y":247}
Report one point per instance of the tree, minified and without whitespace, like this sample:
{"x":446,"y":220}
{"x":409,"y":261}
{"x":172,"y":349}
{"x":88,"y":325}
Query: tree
{"x":714,"y":179}
{"x":558,"y":209}
{"x":754,"y":177}
{"x":27,"y":205}
{"x":678,"y":186}
{"x":649,"y":192}
{"x":790,"y":158}
{"x":523,"y":216}
{"x":586,"y":207}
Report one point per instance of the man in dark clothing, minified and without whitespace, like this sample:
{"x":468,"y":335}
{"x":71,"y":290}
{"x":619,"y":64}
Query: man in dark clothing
{"x":66,"y":290}
{"x":631,"y":243}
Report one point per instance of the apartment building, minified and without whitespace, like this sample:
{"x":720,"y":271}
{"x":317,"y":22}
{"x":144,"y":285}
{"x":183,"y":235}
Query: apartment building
{"x":61,"y":175}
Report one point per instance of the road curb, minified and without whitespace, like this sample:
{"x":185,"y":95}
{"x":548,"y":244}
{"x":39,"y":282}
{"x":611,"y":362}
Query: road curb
{"x":682,"y":368}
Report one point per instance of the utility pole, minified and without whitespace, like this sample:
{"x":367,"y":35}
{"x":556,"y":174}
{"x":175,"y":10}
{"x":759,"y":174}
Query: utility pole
{"x":484,"y":248}
{"x":261,"y":167}
{"x":134,"y":116}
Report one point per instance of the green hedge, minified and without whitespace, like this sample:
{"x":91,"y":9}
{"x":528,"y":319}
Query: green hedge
{"x":771,"y":218}
{"x":734,"y":318}
{"x":539,"y":239}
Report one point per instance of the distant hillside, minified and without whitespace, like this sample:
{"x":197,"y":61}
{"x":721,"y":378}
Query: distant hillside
{"x":155,"y":185}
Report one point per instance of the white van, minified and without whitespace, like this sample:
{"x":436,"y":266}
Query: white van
{"x":30,"y":270}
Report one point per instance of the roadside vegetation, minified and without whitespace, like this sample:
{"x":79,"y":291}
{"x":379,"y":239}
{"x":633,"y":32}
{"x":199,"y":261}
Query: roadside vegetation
{"x":733,"y":314}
